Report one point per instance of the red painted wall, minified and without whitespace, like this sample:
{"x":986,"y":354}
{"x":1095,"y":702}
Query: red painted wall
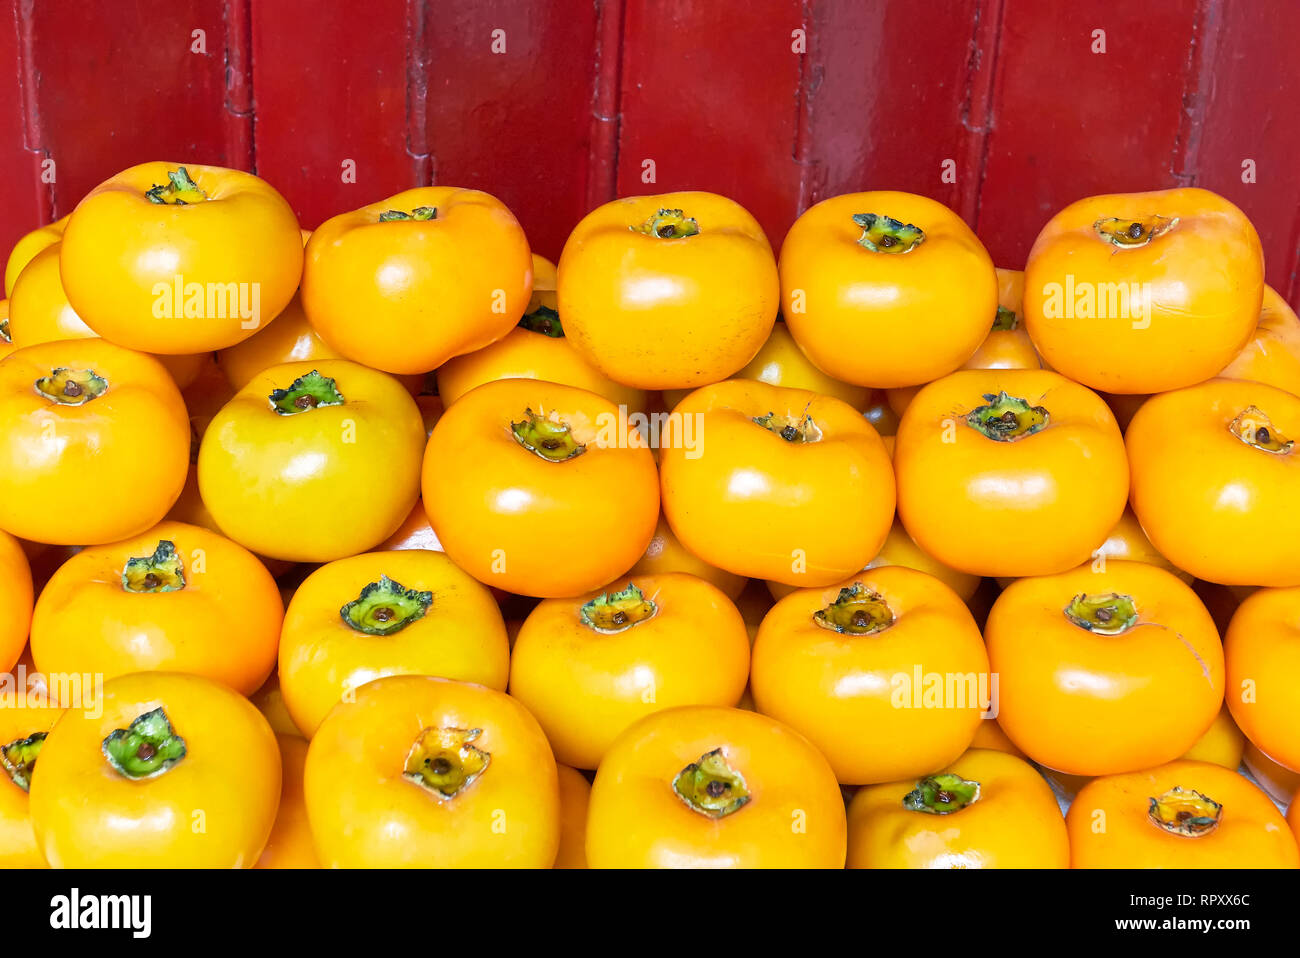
{"x":1004,"y":109}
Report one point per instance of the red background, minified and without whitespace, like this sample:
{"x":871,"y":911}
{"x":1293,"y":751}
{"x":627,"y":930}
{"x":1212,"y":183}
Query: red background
{"x":711,"y":91}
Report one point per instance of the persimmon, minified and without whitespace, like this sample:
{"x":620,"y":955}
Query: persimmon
{"x":1178,"y":815}
{"x":987,"y":809}
{"x":668,"y":292}
{"x":176,"y":598}
{"x":589,"y":667}
{"x":1144,"y":292}
{"x":779,"y":484}
{"x":540,"y":489}
{"x":401,"y":612}
{"x":1102,"y":671}
{"x":886,"y":289}
{"x":665,"y":553}
{"x":424,"y":772}
{"x":575,"y":796}
{"x":886,"y":674}
{"x":696,"y":787}
{"x":1262,"y":651}
{"x":1216,"y":475}
{"x":1009,"y":472}
{"x":290,"y":843}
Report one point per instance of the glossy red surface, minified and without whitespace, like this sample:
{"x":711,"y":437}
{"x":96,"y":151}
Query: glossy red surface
{"x":1003,"y":109}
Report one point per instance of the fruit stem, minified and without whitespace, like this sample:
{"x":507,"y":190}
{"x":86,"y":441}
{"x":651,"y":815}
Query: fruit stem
{"x":547,"y":438}
{"x":146,"y":748}
{"x":668,"y":224}
{"x":1131,"y":234}
{"x":543,"y":320}
{"x":884,"y":234}
{"x":615,"y":612}
{"x":18,"y":759}
{"x":1108,"y":613}
{"x":711,"y":786}
{"x":942,"y":794}
{"x":179,"y":190}
{"x":857,"y":610}
{"x":160,"y":572}
{"x":419,"y":214}
{"x":1007,"y":418}
{"x":1185,"y":812}
{"x":72,"y":387}
{"x":309,"y":391}
{"x":443,"y":761}
{"x":385,"y":607}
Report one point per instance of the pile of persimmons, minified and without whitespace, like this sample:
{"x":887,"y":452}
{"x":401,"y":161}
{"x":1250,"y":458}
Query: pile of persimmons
{"x":394,"y":544}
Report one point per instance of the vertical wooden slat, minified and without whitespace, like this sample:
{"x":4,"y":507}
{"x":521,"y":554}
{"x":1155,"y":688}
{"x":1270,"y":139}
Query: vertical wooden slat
{"x":24,"y":201}
{"x":710,"y":97}
{"x":239,"y":116}
{"x":1068,"y":122}
{"x":510,"y":106}
{"x":330,"y":86}
{"x":602,"y":157}
{"x":1248,"y":111}
{"x":118,"y":84}
{"x":897,"y":98}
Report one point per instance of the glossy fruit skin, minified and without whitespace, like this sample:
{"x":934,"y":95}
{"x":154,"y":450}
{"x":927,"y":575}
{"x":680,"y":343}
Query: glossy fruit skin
{"x":1223,"y":742}
{"x":96,"y":472}
{"x":16,"y":597}
{"x":1262,"y":650}
{"x":858,"y":698}
{"x":585,"y":687}
{"x":1272,"y":356}
{"x":223,"y":624}
{"x":270,"y":702}
{"x":39,"y":311}
{"x":365,"y":814}
{"x":1127,"y":541}
{"x":25,"y":710}
{"x":880,"y":319}
{"x":665,"y":553}
{"x":1015,"y":823}
{"x":524,"y":354}
{"x":88,"y":815}
{"x":1201,"y":283}
{"x":899,"y":549}
{"x":749,"y":501}
{"x":668,"y":313}
{"x":531,"y":526}
{"x":575,"y":797}
{"x":635,"y":820}
{"x":290,"y":339}
{"x":1215,"y":506}
{"x":1250,"y":834}
{"x":405,"y":296}
{"x":461,"y":636}
{"x":123,"y":255}
{"x":780,"y":362}
{"x":320,"y":484}
{"x":27,"y":247}
{"x":290,"y":844}
{"x":1088,"y":703}
{"x":1033,"y":506}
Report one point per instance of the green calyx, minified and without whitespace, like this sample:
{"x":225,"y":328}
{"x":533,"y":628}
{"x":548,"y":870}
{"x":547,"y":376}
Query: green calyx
{"x":1131,"y":234}
{"x":1107,"y":613}
{"x":160,"y":572}
{"x":1007,"y":418}
{"x":444,"y":762}
{"x":5,"y":336}
{"x":385,"y":607}
{"x":942,"y":794}
{"x":543,"y":320}
{"x":309,"y":391}
{"x":18,"y":759}
{"x":179,"y":190}
{"x":711,"y":787}
{"x":857,"y":610}
{"x":615,"y":612}
{"x":420,"y":214}
{"x":884,"y":234}
{"x":1006,"y":320}
{"x":668,"y":224}
{"x":71,"y":387}
{"x":147,"y":748}
{"x":546,"y":438}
